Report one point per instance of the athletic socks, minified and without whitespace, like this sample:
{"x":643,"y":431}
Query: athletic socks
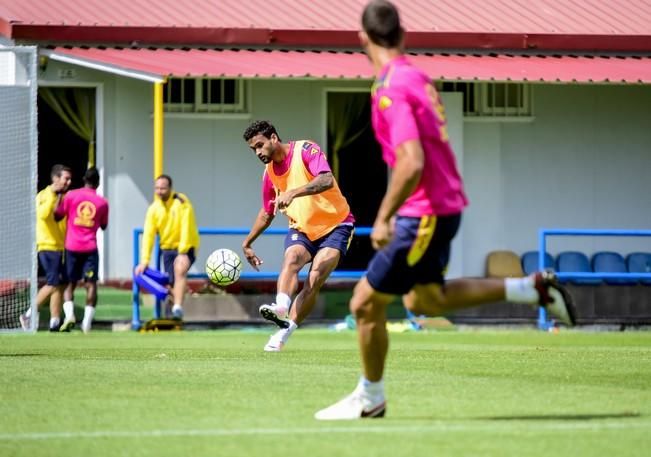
{"x":521,"y":290}
{"x":89,"y":314}
{"x":69,"y":310}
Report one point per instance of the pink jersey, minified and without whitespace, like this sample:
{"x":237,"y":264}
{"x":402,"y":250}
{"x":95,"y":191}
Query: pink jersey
{"x":406,"y":106}
{"x":315,"y":162}
{"x":86,"y":212}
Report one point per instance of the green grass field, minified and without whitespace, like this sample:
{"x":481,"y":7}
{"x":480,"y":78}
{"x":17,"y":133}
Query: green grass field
{"x":466,"y":393}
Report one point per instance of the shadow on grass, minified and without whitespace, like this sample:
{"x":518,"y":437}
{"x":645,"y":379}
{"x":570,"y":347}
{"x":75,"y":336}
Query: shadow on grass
{"x":563,"y":417}
{"x":24,"y":354}
{"x":532,"y":417}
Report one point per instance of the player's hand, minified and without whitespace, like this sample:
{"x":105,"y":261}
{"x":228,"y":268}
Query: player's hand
{"x":140,"y":269}
{"x":381,"y":234}
{"x":253,"y":259}
{"x":283,"y":200}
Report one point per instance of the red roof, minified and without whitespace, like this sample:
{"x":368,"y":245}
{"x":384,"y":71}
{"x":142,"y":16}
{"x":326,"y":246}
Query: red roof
{"x":508,"y":24}
{"x":157,"y":64}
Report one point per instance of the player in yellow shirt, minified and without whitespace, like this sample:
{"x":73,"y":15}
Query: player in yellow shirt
{"x":50,"y":237}
{"x":171,"y":216}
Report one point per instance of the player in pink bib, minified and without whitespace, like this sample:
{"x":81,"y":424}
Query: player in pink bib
{"x":86,"y":213}
{"x":418,"y":217}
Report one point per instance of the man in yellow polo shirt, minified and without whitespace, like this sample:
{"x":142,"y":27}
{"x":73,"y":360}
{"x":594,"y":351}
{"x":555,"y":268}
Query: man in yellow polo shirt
{"x":298,"y":182}
{"x":50,"y":237}
{"x":171,"y":215}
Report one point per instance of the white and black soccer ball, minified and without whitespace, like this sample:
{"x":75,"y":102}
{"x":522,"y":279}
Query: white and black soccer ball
{"x":223,"y":267}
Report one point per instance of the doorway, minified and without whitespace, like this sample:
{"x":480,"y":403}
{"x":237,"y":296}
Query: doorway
{"x":59,"y":140}
{"x":356,"y":160}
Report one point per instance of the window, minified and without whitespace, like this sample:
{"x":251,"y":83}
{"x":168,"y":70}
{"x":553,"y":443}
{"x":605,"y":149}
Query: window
{"x":493,"y":100}
{"x":186,"y":95}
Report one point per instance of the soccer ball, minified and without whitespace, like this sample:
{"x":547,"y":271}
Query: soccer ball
{"x":223,"y":267}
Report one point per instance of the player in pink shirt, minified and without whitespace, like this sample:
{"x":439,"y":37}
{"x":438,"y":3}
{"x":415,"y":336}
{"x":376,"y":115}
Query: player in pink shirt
{"x":418,"y":217}
{"x":297,"y":181}
{"x":87,"y":212}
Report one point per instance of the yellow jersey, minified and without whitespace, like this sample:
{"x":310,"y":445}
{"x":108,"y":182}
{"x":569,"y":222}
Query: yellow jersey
{"x":50,"y":234}
{"x":175,"y":224}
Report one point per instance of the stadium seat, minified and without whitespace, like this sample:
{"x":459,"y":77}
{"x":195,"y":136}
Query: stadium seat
{"x":639,"y":262}
{"x":530,"y":261}
{"x":611,"y":262}
{"x":575,"y":262}
{"x":503,"y":264}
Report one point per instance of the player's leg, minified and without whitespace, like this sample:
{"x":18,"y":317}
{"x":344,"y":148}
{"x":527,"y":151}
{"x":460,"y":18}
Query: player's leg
{"x":46,"y":260}
{"x":56,"y":307}
{"x":182,"y":264}
{"x":391,"y":272}
{"x":537,"y":289}
{"x":74,"y":264}
{"x":90,"y":272}
{"x":367,"y":400}
{"x":298,"y":252}
{"x":325,"y":261}
{"x":296,"y":257}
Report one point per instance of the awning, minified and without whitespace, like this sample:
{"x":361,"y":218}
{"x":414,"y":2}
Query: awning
{"x":158,"y":64}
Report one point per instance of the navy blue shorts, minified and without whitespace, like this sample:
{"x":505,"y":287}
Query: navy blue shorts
{"x":53,"y":266}
{"x":169,"y":255}
{"x":339,"y":238}
{"x":418,"y":254}
{"x":82,"y":265}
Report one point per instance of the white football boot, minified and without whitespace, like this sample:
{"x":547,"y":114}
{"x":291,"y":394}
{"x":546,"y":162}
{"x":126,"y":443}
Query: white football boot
{"x":276,"y":314}
{"x":279,"y":339}
{"x":357,"y":405}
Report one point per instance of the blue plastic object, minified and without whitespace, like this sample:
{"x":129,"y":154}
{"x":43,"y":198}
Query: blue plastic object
{"x":530,"y":262}
{"x":160,"y":277}
{"x":576,"y":262}
{"x":611,"y":262}
{"x":639,"y":262}
{"x":151,"y":286}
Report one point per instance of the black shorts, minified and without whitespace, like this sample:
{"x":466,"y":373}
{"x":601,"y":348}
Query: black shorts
{"x":82,"y":265}
{"x":339,"y":238}
{"x":418,"y":254}
{"x":169,"y":255}
{"x":53,"y":266}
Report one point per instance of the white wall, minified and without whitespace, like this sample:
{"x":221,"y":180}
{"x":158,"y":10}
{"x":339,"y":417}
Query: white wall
{"x":583,"y":162}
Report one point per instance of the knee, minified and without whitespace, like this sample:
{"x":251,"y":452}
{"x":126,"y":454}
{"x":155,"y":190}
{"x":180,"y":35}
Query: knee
{"x":431,"y":306}
{"x":293,"y":261}
{"x":361,"y":309}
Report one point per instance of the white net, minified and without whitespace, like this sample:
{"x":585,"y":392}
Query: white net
{"x":18,"y":174}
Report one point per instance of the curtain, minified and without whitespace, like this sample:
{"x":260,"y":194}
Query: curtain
{"x":345,"y":111}
{"x":76,"y":107}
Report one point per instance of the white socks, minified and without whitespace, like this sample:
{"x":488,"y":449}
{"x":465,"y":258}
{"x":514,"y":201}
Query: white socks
{"x":374,"y":390}
{"x":89,"y":314}
{"x":176,"y":307}
{"x":521,"y":290}
{"x":284,"y":301}
{"x":69,"y":310}
{"x":54,"y":322}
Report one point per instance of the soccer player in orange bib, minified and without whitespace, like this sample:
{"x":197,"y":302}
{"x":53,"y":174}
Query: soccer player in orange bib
{"x":418,"y":217}
{"x":297,"y":181}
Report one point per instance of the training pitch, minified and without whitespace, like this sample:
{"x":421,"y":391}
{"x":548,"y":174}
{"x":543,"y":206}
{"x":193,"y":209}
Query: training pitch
{"x":461,"y":393}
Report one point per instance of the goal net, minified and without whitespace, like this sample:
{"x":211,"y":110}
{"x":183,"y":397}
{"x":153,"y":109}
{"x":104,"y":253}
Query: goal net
{"x":18,"y":175}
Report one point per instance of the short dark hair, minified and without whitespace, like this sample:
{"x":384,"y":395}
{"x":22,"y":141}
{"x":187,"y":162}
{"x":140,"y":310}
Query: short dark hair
{"x":167,"y":177}
{"x":91,"y":177}
{"x":264,"y":128}
{"x":58,"y":169}
{"x":381,"y":22}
